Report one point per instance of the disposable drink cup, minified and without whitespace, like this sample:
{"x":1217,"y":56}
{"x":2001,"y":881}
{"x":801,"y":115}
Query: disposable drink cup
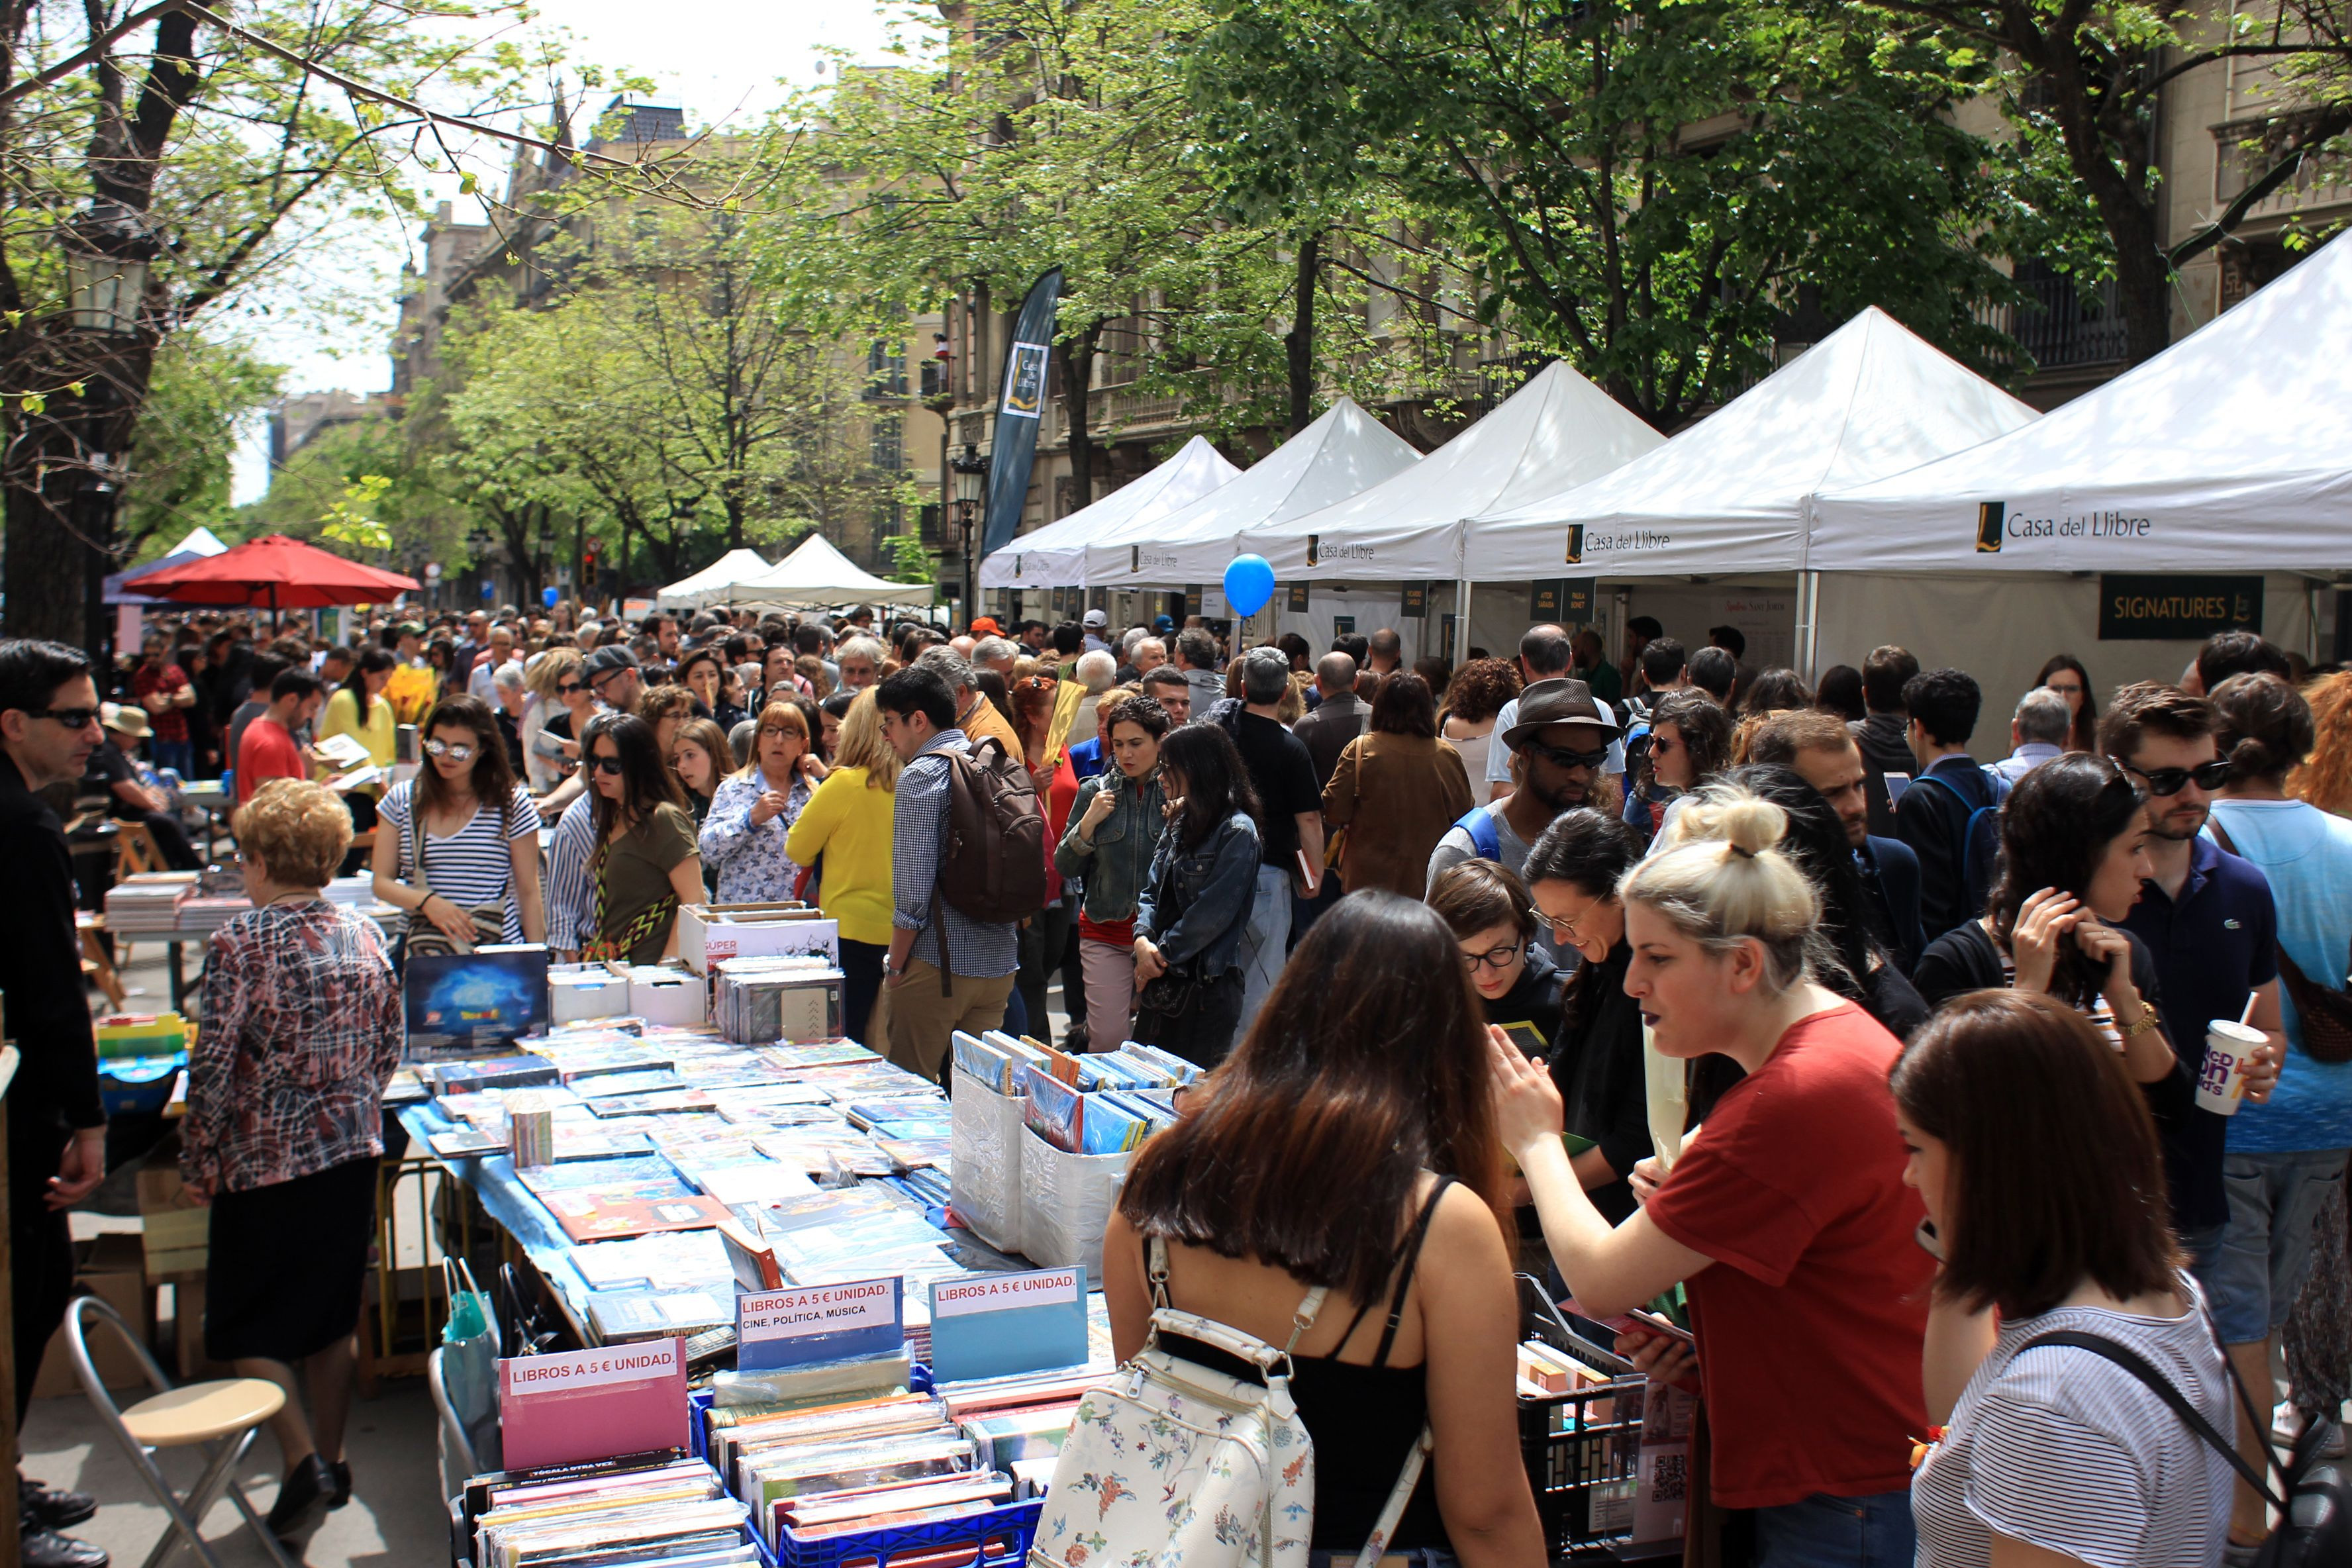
{"x":2228,"y":1045}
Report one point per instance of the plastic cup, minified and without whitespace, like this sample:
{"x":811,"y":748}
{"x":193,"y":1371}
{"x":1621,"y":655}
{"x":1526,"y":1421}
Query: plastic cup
{"x":2222,"y":1083}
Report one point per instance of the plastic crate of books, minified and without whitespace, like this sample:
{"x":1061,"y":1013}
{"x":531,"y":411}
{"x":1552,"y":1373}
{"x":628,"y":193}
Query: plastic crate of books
{"x":994,"y":1538}
{"x":1583,"y":1447}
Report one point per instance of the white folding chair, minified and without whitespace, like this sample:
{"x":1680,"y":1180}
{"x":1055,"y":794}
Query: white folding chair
{"x":219,"y":1417}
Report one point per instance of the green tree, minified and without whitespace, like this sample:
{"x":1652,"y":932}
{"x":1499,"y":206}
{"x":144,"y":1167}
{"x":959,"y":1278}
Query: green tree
{"x":1649,"y":186}
{"x":199,"y":401}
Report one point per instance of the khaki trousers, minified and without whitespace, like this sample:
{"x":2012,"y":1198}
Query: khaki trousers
{"x":921,"y":1019}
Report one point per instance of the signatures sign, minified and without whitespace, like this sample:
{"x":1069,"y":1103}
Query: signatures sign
{"x":2147,"y":607}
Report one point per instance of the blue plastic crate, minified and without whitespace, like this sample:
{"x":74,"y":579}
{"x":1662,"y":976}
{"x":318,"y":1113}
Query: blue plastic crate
{"x":998,"y":1538}
{"x":139,"y":1085}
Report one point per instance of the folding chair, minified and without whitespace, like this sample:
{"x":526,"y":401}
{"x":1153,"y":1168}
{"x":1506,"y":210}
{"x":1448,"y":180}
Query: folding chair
{"x":458,"y":1464}
{"x":221,"y":1417}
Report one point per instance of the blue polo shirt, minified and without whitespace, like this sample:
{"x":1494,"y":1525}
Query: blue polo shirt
{"x":2212,"y":945}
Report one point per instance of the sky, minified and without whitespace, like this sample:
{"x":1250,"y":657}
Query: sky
{"x":721,"y":59}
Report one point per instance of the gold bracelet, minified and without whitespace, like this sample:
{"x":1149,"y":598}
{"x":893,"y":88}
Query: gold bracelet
{"x":2148,"y":1020}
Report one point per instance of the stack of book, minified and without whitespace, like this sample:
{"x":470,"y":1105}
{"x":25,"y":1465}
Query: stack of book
{"x":641,"y":1507}
{"x":205,"y":913}
{"x":147,"y":903}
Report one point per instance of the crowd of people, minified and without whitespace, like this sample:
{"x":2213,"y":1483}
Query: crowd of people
{"x":1940,"y":1011}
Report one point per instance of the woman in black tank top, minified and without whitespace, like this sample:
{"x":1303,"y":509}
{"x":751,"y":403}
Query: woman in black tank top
{"x":1308,"y":1160}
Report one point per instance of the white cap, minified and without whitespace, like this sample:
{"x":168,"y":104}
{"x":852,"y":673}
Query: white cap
{"x":1098,"y":618}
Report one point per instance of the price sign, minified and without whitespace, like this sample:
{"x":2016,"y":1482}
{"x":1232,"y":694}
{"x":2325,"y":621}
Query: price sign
{"x":819,"y":1323}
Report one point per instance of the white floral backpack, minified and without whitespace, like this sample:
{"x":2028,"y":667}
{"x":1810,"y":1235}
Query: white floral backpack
{"x":1175,"y":1465}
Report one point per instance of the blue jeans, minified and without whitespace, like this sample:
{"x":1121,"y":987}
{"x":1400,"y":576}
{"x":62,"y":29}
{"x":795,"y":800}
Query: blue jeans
{"x":180,"y":756}
{"x":1824,"y":1531}
{"x":1265,"y":942}
{"x":2266,"y":1249}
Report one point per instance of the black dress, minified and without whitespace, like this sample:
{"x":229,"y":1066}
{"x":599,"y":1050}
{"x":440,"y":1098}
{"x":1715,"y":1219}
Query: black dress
{"x":1597,"y":1062}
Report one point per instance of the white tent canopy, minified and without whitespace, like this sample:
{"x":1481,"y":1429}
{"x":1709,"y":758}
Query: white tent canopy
{"x":1732,"y":493}
{"x":1054,"y":556}
{"x":723,"y":581}
{"x":2231,"y":449}
{"x":817,"y":574}
{"x":1344,"y":452}
{"x":202,"y":542}
{"x":1556,"y":432}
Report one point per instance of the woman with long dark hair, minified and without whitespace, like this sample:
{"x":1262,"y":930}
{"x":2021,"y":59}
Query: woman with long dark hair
{"x":2049,"y":1217}
{"x":645,"y":864}
{"x":1860,"y":969}
{"x":1689,"y":744}
{"x":2065,"y":676}
{"x":2074,"y":853}
{"x":1839,"y":692}
{"x":1347,"y":1146}
{"x":1196,"y":898}
{"x":463,"y":832}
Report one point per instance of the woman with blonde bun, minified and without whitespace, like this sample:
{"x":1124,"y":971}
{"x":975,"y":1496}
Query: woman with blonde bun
{"x":1785,"y":1215}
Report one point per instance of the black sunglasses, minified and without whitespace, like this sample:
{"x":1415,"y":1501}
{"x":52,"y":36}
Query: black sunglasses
{"x":1561,"y":757}
{"x":72,"y":718}
{"x":566,"y":687}
{"x":608,"y":765}
{"x":2167,"y":782}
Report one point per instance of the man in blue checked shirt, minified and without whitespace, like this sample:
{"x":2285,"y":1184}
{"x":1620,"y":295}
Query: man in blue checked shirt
{"x":919,"y":719}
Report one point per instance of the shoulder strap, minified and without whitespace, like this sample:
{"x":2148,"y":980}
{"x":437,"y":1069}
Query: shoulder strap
{"x":1478,"y":821}
{"x":1404,"y":1271}
{"x":1302,"y":1317}
{"x":2220,"y":834}
{"x":2132,"y":1361}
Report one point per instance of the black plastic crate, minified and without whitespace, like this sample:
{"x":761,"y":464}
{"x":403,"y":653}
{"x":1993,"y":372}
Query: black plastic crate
{"x":1582,"y":1449}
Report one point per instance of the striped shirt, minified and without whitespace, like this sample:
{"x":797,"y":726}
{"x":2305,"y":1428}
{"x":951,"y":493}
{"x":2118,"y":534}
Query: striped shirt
{"x":2063,"y":1449}
{"x":474,"y":865}
{"x":571,"y":892}
{"x":918,"y":823}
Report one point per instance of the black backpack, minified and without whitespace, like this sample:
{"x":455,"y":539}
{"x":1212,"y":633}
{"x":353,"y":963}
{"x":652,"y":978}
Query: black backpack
{"x":992,"y":855}
{"x":2314,"y":1527}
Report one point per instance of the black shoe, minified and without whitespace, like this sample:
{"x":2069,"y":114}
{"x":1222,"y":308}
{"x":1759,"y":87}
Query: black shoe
{"x":40,"y":1548}
{"x":303,"y":1499}
{"x":342,"y":1470}
{"x":51,"y":1508}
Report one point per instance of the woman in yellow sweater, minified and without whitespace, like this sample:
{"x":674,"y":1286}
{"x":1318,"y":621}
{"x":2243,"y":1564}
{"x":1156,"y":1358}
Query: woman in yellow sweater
{"x":847,"y":821}
{"x":358,"y":709}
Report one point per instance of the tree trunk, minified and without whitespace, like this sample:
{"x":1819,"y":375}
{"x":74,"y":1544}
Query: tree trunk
{"x":1078,"y":379}
{"x":58,"y":543}
{"x":1299,"y":342}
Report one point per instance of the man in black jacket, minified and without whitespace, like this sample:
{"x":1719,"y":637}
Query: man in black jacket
{"x":1947,"y":792}
{"x":56,"y":1131}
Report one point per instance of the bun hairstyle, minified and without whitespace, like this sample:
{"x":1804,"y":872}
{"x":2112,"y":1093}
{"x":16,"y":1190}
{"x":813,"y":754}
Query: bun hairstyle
{"x":1725,"y":881}
{"x":2266,"y":726}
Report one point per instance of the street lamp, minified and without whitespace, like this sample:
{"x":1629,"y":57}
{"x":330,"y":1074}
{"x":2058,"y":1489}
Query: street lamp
{"x":971,"y":470}
{"x":106,"y":251}
{"x":104,"y":293}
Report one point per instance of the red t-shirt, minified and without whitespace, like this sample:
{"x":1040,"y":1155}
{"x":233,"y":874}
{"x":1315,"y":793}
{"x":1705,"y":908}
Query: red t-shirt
{"x":172,"y":723}
{"x":265,"y":751}
{"x":1810,"y":1321}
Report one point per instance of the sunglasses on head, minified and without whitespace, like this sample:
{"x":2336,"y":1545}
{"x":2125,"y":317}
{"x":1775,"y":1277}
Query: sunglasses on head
{"x":2165,"y":781}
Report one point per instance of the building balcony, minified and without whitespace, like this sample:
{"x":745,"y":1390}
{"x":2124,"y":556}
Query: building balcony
{"x":2059,"y":325}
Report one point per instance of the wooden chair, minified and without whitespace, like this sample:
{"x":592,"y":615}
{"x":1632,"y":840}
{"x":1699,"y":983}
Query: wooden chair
{"x":135,"y":851}
{"x":94,"y":959}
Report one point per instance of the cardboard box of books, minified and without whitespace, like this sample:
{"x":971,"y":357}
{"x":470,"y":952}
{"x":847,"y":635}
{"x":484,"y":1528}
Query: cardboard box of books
{"x":707,"y":933}
{"x":1066,"y":1202}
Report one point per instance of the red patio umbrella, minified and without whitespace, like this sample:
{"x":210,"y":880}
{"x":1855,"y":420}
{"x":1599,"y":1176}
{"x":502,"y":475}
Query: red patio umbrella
{"x":276,"y":573}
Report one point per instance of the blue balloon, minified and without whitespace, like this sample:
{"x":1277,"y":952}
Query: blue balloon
{"x":548,"y":596}
{"x":1249,"y":584}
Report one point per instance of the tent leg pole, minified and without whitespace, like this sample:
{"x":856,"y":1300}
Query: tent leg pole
{"x":1460,"y":652}
{"x":1809,"y":616}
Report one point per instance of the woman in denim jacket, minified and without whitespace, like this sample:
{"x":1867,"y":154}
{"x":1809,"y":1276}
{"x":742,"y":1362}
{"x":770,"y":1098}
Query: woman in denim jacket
{"x":1114,"y":823}
{"x":1194,"y":909}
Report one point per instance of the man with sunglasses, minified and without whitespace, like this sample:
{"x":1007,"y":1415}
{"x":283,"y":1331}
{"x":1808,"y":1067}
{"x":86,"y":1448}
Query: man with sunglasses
{"x":56,"y":1128}
{"x":2208,"y":920}
{"x":1562,"y":739}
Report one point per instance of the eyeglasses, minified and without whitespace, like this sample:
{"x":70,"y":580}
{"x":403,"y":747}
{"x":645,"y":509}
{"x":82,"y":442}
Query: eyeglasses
{"x":2165,"y":781}
{"x":779,"y":733}
{"x":1561,"y":757}
{"x":461,"y":752}
{"x":607,"y":766}
{"x":1492,"y":958}
{"x":71,"y":717}
{"x":2069,"y":689}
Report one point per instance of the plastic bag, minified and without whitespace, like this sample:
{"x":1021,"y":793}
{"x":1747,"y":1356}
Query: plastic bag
{"x":469,"y":1362}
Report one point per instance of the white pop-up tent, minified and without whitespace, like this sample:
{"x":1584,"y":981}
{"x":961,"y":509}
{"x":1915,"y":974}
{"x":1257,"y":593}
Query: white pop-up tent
{"x":1344,"y":452}
{"x":201,"y":541}
{"x":1054,"y":556}
{"x":817,"y":574}
{"x":2231,"y":449}
{"x":1555,"y":432}
{"x":722,"y":582}
{"x":1732,"y":493}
